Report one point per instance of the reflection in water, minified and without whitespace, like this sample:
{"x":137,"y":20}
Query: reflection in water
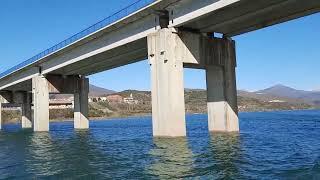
{"x":42,"y":154}
{"x":171,"y":158}
{"x":57,"y":156}
{"x":270,"y":146}
{"x":226,"y":151}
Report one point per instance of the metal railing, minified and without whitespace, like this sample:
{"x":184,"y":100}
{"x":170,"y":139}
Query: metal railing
{"x":98,"y":26}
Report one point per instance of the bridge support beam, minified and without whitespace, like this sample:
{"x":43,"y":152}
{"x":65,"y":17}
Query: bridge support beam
{"x":41,"y":103}
{"x":221,"y":88}
{"x":81,"y":116}
{"x":168,"y":108}
{"x":26,"y":119}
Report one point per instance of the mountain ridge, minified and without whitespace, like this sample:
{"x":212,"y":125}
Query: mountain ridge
{"x":277,"y":92}
{"x":99,"y":91}
{"x":312,"y":97}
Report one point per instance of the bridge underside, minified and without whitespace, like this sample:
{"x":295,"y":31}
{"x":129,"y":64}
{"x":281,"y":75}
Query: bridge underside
{"x":236,"y":17}
{"x":123,"y":55}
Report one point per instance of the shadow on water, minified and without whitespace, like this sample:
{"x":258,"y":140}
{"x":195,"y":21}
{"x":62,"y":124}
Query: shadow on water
{"x":51,"y":155}
{"x":171,"y":158}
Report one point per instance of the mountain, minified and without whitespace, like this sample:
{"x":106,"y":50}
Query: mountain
{"x":95,"y":91}
{"x":283,"y":91}
{"x":312,"y":97}
{"x":316,"y":90}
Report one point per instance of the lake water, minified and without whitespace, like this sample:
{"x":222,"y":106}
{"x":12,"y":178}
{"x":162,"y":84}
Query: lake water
{"x":273,"y":145}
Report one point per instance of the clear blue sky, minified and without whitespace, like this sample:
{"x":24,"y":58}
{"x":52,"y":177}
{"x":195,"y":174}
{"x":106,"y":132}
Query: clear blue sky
{"x":288,"y":53}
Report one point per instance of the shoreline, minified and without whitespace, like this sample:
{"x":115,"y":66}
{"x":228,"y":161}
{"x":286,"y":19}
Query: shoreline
{"x":104,"y":118}
{"x":149,"y":114}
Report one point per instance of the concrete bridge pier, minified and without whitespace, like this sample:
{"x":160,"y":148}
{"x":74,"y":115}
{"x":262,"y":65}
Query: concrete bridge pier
{"x":170,"y":50}
{"x":18,"y":98}
{"x":26,"y":119}
{"x":168,"y":108}
{"x":79,"y":87}
{"x":221,"y":87}
{"x":81,"y":116}
{"x":23,"y":100}
{"x":40,"y":92}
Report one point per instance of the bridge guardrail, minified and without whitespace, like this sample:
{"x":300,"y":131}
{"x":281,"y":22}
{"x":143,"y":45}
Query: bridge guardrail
{"x":95,"y":27}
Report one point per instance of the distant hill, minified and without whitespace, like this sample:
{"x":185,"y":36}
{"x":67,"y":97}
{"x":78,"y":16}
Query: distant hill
{"x":95,"y":91}
{"x":283,"y":91}
{"x":269,"y":97}
{"x":275,"y":93}
{"x":312,"y":97}
{"x":278,"y":97}
{"x":195,"y":102}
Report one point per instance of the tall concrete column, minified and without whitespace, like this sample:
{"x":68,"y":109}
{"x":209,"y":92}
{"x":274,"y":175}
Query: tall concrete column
{"x":41,"y":103}
{"x":221,"y":88}
{"x":81,"y":117}
{"x":168,"y":108}
{"x":26,"y":119}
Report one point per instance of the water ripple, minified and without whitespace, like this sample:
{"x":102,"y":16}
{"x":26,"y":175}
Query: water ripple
{"x":274,"y":145}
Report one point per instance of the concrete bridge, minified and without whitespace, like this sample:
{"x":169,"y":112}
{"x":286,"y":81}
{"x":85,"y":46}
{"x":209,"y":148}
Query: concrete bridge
{"x":172,"y":34}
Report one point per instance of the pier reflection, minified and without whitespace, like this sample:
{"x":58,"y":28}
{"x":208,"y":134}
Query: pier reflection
{"x":171,"y":158}
{"x":226,"y":154}
{"x":52,"y":155}
{"x":42,"y":154}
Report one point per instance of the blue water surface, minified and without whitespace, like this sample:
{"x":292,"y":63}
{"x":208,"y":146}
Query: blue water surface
{"x":271,"y":145}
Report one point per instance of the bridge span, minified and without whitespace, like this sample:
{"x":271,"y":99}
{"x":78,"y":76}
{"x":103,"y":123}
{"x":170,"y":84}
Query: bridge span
{"x":172,"y":34}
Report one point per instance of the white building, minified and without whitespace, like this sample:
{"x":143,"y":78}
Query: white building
{"x":130,"y":100}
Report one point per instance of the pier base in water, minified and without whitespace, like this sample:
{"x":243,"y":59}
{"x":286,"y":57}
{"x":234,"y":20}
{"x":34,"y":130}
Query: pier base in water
{"x":41,"y":103}
{"x":221,"y":88}
{"x":81,"y":111}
